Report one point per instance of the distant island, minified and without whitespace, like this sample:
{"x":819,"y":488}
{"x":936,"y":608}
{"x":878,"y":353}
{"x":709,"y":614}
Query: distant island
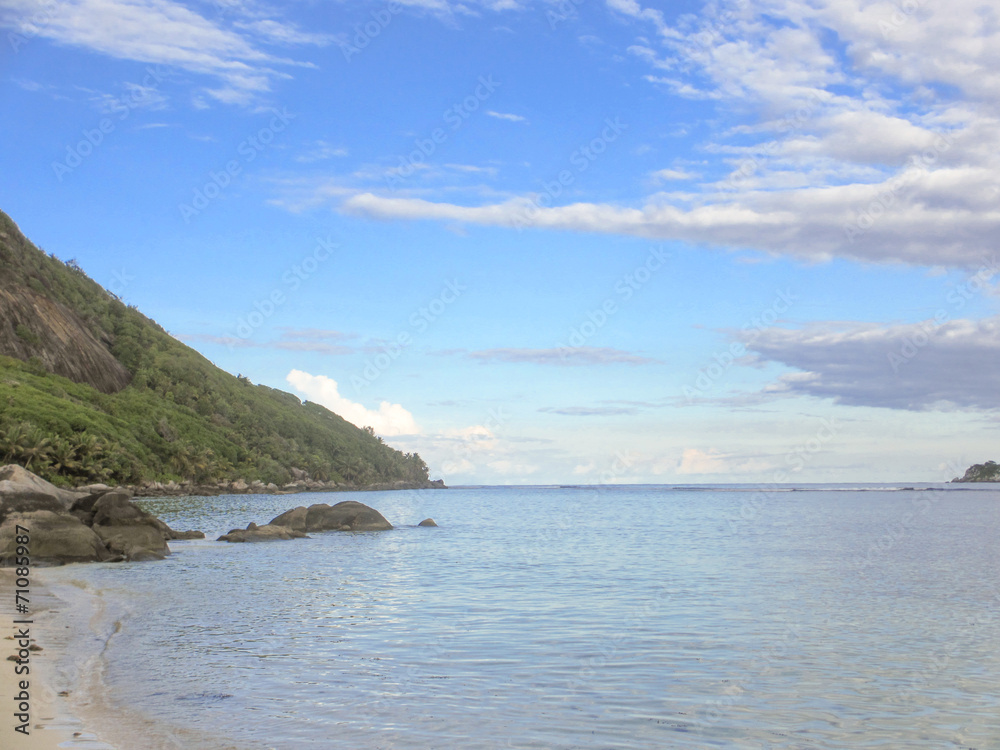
{"x":987,"y":472}
{"x":94,"y":392}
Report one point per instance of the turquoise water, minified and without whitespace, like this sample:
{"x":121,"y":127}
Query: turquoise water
{"x":600,"y":617}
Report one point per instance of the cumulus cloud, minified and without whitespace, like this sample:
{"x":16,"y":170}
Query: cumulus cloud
{"x":935,"y":364}
{"x":888,"y":153}
{"x":388,"y":420}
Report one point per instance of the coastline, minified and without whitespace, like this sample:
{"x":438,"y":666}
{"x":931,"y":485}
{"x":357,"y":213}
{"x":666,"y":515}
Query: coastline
{"x":241,"y":487}
{"x":52,"y":724}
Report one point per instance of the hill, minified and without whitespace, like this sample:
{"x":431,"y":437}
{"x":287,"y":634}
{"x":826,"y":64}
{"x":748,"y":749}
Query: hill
{"x":987,"y":472}
{"x":91,"y":390}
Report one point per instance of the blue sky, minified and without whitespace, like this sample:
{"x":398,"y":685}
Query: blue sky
{"x":594,"y":241}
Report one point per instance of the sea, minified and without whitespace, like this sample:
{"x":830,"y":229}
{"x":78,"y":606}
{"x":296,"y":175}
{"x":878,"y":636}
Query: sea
{"x":815,"y":617}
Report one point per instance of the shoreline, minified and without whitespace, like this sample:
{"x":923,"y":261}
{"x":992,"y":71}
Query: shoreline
{"x":52,"y":723}
{"x":241,"y":487}
{"x":71,"y":705}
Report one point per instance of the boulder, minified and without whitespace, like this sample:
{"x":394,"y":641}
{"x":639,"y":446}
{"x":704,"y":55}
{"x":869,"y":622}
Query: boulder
{"x":427,"y":522}
{"x":56,"y":538}
{"x":127,"y":529}
{"x":136,"y":543}
{"x":348,"y":515}
{"x":294,"y":519}
{"x":23,"y":492}
{"x":255,"y":533}
{"x":186,"y":534}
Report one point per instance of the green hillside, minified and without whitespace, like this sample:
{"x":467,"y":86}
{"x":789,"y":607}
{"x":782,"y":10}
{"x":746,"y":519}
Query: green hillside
{"x":93,"y":390}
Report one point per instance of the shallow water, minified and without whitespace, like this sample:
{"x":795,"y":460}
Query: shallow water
{"x":602,"y":617}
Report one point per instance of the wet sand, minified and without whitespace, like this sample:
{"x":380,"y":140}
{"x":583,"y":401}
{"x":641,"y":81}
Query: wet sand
{"x":51,"y":723}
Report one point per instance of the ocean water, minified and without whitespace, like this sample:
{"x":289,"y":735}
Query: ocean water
{"x":555,"y":617}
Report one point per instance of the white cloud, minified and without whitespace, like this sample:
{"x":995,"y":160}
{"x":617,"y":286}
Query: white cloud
{"x":505,"y":116}
{"x":390,"y":419}
{"x":665,"y":175}
{"x":161,"y":32}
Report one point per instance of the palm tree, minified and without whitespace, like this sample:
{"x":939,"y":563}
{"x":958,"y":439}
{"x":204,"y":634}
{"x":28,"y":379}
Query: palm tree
{"x":38,"y":447}
{"x":64,"y":458}
{"x":13,"y":441}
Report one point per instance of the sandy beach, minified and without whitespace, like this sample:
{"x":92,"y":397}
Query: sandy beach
{"x":51,"y":724}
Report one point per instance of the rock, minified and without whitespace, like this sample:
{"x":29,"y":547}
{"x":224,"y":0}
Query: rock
{"x":239,"y":486}
{"x":128,"y":530}
{"x":294,"y":519}
{"x":183,"y":535}
{"x":135,"y":543}
{"x":255,"y":533}
{"x":427,"y":522}
{"x":56,"y":538}
{"x":348,"y":515}
{"x":93,"y":489}
{"x":22,"y":491}
{"x":272,"y":487}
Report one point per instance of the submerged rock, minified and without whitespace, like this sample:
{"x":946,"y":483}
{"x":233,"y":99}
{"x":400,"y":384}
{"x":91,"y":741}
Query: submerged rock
{"x":427,"y":522}
{"x":255,"y":533}
{"x":348,"y":515}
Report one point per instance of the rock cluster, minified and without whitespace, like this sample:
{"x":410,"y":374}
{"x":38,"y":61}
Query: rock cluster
{"x":66,"y":526}
{"x":256,"y":487}
{"x":348,"y":515}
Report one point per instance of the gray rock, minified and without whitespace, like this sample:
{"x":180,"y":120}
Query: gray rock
{"x":136,"y":543}
{"x":187,"y":535}
{"x":427,"y":522}
{"x":348,"y":515}
{"x":255,"y":533}
{"x":56,"y":538}
{"x":294,"y":519}
{"x":23,"y":492}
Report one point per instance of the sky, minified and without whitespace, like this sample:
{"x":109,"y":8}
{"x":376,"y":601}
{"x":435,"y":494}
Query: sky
{"x":585,"y":241}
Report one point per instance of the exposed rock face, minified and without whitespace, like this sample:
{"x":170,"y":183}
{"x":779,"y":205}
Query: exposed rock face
{"x":34,"y":326}
{"x":56,"y":538}
{"x":427,"y":522}
{"x":18,"y":485}
{"x":255,"y":533}
{"x":348,"y":515}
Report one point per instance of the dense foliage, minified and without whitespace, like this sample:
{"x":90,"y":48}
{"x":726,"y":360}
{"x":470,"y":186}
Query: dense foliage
{"x":181,"y":417}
